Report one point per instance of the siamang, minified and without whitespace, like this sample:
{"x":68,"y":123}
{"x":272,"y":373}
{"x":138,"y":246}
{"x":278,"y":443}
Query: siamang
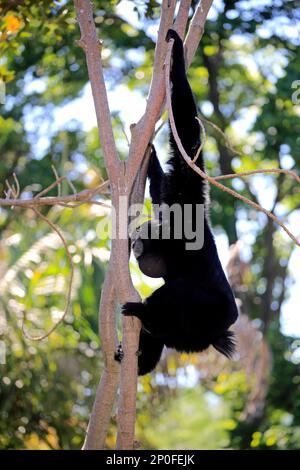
{"x":195,"y":307}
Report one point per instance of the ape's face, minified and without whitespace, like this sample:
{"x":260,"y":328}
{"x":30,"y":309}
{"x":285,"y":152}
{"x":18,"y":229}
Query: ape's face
{"x":147,"y":250}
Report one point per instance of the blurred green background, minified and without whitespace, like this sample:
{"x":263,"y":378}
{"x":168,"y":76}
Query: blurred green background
{"x":243,"y":77}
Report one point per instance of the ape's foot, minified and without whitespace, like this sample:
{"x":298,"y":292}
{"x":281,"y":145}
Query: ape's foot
{"x":119,"y":353}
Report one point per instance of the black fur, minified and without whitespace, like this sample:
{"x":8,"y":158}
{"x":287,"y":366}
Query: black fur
{"x":195,"y":307}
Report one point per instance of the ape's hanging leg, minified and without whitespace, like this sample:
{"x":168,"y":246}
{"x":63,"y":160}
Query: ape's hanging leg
{"x":150,"y":349}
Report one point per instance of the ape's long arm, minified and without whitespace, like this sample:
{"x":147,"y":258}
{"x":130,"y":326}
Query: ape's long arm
{"x":183,"y":103}
{"x":156,"y":176}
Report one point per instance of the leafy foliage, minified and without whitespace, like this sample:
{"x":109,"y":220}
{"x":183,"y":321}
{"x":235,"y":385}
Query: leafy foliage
{"x":242,"y":77}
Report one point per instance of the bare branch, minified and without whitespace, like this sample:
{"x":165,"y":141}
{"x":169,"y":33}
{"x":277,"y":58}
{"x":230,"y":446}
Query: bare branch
{"x":203,"y":139}
{"x":281,"y":171}
{"x":196,"y":29}
{"x":182,"y":17}
{"x":53,"y":185}
{"x":108,"y":385}
{"x":57,"y":178}
{"x":278,"y":171}
{"x":92,"y":48}
{"x":131,"y":332}
{"x":143,"y":130}
{"x":84,"y":197}
{"x":17,"y":185}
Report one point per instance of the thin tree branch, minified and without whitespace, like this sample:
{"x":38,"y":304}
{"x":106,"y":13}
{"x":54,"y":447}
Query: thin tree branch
{"x":182,"y":17}
{"x":143,"y":130}
{"x":108,"y":385}
{"x":196,"y":29}
{"x":275,"y":171}
{"x":92,"y":48}
{"x":84,"y":196}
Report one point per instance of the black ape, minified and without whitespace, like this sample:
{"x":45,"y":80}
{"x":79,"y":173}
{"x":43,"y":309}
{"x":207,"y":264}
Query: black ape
{"x":195,"y":307}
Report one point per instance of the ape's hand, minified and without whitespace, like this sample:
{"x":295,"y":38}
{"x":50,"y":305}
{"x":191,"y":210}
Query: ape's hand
{"x":133,"y":309}
{"x":172,"y":34}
